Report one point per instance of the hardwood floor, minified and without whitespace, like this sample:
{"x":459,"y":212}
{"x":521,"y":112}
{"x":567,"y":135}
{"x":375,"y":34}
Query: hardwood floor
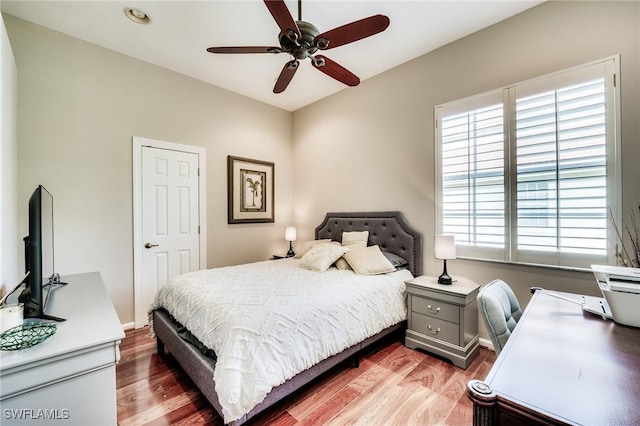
{"x":394,"y":385}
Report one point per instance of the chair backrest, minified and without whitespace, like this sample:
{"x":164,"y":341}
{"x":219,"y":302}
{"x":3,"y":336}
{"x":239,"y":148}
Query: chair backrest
{"x":500,"y":312}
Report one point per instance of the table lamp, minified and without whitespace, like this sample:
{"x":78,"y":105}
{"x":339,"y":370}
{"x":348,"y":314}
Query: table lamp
{"x":290,"y":235}
{"x":445,"y":249}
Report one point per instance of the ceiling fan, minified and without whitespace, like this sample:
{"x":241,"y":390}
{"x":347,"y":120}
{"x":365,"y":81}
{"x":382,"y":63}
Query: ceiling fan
{"x":302,"y":40}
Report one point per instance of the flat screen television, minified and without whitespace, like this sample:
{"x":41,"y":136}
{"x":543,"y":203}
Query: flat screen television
{"x":40,"y":278}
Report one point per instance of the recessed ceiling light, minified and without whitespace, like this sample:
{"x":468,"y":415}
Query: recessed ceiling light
{"x":137,"y":15}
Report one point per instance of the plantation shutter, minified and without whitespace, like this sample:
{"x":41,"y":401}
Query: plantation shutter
{"x":530,"y":173}
{"x":472,"y":164}
{"x":561,"y":166}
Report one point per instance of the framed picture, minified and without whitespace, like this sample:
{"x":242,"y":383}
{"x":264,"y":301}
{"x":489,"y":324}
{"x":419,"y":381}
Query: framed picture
{"x":250,"y":190}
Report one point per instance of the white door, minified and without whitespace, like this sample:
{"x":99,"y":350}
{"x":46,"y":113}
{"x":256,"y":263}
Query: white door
{"x":170,"y":217}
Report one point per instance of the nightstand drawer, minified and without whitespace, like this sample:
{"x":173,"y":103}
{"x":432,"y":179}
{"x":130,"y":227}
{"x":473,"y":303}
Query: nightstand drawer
{"x":435,"y":328}
{"x":436,"y":308}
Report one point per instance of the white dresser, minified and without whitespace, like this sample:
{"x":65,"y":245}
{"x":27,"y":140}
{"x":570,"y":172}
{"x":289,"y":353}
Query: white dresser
{"x":69,"y":378}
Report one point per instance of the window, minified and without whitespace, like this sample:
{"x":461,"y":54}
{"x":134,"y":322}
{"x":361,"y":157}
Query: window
{"x":528,"y":173}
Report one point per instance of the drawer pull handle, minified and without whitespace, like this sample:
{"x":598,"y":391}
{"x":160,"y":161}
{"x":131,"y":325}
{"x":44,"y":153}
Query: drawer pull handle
{"x":433,"y":311}
{"x":432,"y":331}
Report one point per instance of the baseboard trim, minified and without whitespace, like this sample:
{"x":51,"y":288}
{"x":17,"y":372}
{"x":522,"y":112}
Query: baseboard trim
{"x":128,"y":326}
{"x":486,"y":343}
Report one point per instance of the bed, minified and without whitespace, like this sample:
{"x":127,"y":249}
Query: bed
{"x":197,"y":355}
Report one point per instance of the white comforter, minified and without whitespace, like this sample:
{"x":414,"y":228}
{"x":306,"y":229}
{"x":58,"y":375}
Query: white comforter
{"x":268,"y":321}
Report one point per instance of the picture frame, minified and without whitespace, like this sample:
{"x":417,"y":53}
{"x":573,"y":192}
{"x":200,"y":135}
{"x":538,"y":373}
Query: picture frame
{"x":250,"y":190}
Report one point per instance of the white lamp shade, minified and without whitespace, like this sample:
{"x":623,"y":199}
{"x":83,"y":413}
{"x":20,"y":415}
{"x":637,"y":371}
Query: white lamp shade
{"x":445,"y":246}
{"x":290,"y":233}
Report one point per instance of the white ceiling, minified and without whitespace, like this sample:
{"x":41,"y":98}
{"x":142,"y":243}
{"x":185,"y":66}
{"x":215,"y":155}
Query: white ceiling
{"x":181,"y":31}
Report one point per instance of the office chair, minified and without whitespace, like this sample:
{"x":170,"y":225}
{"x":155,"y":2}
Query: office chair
{"x":500,"y":312}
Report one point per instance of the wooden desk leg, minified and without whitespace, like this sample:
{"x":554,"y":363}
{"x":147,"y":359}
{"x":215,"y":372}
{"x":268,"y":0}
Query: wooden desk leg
{"x":484,"y":403}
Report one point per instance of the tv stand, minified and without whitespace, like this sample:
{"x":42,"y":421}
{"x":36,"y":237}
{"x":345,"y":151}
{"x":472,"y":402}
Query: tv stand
{"x":33,"y":312}
{"x":46,"y":317}
{"x":70,"y":377}
{"x":53,"y":284}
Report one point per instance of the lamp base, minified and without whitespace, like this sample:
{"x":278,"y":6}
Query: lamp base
{"x":444,"y":278}
{"x":290,"y":253}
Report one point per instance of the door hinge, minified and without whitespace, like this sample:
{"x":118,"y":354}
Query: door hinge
{"x":614,"y":80}
{"x":198,"y":229}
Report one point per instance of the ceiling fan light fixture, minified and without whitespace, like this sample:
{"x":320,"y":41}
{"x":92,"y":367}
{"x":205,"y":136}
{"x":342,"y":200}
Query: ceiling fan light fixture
{"x":322,"y":43}
{"x":137,"y":16}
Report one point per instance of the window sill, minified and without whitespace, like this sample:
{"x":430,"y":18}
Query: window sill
{"x":534,"y":265}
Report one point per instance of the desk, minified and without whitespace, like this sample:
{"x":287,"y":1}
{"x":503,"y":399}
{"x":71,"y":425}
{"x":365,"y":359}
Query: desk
{"x":69,"y":378}
{"x":562,"y":366}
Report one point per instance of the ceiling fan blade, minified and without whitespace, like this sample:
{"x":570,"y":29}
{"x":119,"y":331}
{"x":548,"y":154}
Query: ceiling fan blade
{"x":283,"y":18}
{"x":335,"y":70}
{"x":351,"y":32}
{"x":245,"y":49}
{"x":287,"y":73}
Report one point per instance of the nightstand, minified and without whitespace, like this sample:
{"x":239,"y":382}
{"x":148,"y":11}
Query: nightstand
{"x":277,"y":256}
{"x":443,"y":319}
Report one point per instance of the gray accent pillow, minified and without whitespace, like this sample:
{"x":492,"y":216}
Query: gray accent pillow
{"x":396,"y":261}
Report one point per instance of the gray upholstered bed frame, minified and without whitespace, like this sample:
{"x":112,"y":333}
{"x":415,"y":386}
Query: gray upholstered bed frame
{"x":389,"y":230}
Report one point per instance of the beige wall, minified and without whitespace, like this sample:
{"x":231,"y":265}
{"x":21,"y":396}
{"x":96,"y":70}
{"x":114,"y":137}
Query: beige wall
{"x":372,"y":147}
{"x":79,"y":106}
{"x":366,"y":148}
{"x":9,"y":242}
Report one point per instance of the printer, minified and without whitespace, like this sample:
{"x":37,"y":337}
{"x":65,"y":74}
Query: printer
{"x":620,"y":287}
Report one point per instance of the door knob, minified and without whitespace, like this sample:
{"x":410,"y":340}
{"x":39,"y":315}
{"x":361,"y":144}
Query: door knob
{"x":149,"y":245}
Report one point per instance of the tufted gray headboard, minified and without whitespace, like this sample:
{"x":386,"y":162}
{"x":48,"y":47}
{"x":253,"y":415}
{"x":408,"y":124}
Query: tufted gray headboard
{"x":389,"y":230}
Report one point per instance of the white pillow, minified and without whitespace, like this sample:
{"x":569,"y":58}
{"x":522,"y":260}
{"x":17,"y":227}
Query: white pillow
{"x":307,"y":245}
{"x":355,"y":238}
{"x":368,"y":261}
{"x":321,"y":256}
{"x":352,"y":239}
